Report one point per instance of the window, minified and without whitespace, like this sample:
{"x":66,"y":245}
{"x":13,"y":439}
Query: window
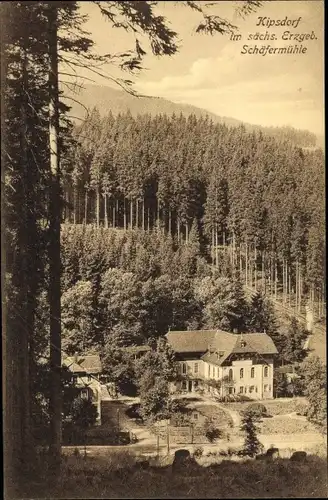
{"x":230,"y":390}
{"x":265,"y":388}
{"x":213,"y":371}
{"x":217,"y":372}
{"x":255,"y":389}
{"x":209,"y":371}
{"x":230,"y":374}
{"x":245,"y":389}
{"x":184,"y":385}
{"x":269,"y":387}
{"x":266,"y":371}
{"x":89,"y":378}
{"x":195,"y":416}
{"x":241,"y":372}
{"x":196,"y":367}
{"x":252,"y":372}
{"x":251,"y":389}
{"x":241,"y":390}
{"x":184,"y":368}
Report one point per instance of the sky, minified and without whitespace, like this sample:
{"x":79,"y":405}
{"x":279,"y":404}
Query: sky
{"x":210,"y":72}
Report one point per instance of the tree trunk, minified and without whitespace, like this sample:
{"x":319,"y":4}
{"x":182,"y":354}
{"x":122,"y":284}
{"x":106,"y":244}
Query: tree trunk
{"x":178,"y":230}
{"x":275,"y":278}
{"x":74,"y":206}
{"x":97,"y":207}
{"x":131,"y":213}
{"x":263,"y":271}
{"x":250,"y":267}
{"x":170,"y":221}
{"x":296,"y":285}
{"x":246,"y":264}
{"x":143,"y":214}
{"x":216,"y":247}
{"x":289,"y":284}
{"x":55,"y":401}
{"x":86,"y":207}
{"x":255,"y":265}
{"x":124,"y":214}
{"x":105,"y":210}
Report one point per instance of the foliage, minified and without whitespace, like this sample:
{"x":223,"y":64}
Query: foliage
{"x":280,"y":384}
{"x":315,"y":384}
{"x":258,"y":409}
{"x":83,"y":413}
{"x":118,"y":364}
{"x":212,"y":433}
{"x":198,"y":452}
{"x":249,"y":426}
{"x":77,"y":324}
{"x":296,"y":335}
{"x":154,"y":370}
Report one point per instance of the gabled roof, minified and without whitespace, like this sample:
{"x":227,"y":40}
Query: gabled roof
{"x":211,"y":343}
{"x":260,"y":342}
{"x":190,"y":340}
{"x":77,"y":364}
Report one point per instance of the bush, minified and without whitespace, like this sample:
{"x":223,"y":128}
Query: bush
{"x":134,"y":411}
{"x":257,"y":409}
{"x":211,"y":432}
{"x":198,"y":452}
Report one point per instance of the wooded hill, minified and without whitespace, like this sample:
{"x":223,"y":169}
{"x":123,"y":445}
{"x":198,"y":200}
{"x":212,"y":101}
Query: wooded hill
{"x":260,"y":198}
{"x":108,"y":99}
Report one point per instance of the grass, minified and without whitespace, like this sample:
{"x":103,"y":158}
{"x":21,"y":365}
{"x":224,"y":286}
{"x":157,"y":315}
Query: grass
{"x":285,"y":425}
{"x":119,"y":478}
{"x":219,"y":417}
{"x":281,"y":406}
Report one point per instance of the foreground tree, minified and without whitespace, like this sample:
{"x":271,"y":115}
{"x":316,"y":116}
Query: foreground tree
{"x":51,"y":33}
{"x":249,"y":426}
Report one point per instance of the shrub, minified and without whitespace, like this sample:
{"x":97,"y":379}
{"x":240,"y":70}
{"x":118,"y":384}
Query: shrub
{"x":211,"y":432}
{"x":198,"y":452}
{"x":257,"y":409}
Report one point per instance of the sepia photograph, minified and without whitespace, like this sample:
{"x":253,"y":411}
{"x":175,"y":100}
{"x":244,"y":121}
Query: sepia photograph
{"x":163,"y":258}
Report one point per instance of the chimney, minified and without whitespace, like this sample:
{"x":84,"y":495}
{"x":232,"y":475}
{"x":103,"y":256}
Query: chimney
{"x":76,"y":357}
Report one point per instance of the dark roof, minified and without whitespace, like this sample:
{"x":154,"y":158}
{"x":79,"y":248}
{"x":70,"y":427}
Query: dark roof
{"x":190,"y":340}
{"x":212,"y":342}
{"x":134,"y":349}
{"x":259,"y":342}
{"x":89,"y":364}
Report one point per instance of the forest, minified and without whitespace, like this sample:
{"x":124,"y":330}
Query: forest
{"x":123,"y":288}
{"x":257,"y":198}
{"x":203,"y":206}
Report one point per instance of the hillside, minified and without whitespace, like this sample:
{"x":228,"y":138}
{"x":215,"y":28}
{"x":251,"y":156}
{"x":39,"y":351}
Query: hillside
{"x":109,"y":99}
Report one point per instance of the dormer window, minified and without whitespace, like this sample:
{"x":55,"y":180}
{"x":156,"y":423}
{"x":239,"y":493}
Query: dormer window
{"x":242,"y":343}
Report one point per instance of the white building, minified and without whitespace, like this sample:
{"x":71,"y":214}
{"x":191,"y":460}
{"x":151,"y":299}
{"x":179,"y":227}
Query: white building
{"x":234,"y":363}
